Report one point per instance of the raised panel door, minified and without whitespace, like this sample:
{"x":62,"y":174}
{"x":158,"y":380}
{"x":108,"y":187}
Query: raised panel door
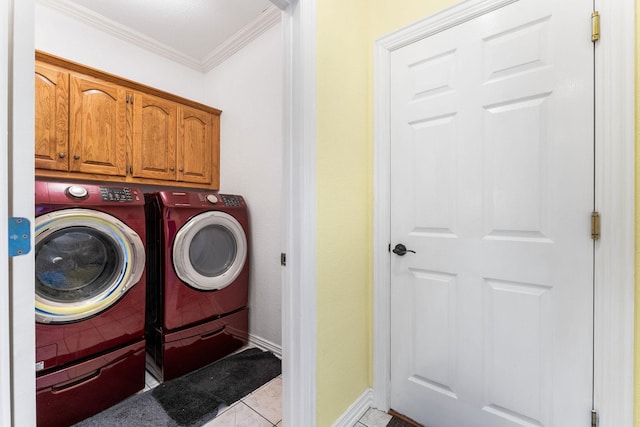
{"x":154,"y":137}
{"x":51,"y":118}
{"x":98,"y":127}
{"x":195,"y":144}
{"x":492,"y":187}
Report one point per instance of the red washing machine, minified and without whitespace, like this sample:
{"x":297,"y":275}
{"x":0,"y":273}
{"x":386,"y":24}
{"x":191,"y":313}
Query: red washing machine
{"x":197,"y":279}
{"x":89,"y":299}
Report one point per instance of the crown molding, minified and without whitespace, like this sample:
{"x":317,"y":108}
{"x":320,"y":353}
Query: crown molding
{"x":246,"y":35}
{"x":282,"y":4}
{"x":254,"y":29}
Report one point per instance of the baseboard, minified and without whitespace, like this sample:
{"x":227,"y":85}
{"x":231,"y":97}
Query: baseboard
{"x":357,"y":409}
{"x":267,"y":345}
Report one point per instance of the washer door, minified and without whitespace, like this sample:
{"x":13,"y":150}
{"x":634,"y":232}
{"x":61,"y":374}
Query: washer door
{"x":209,"y":251}
{"x":85,"y":261}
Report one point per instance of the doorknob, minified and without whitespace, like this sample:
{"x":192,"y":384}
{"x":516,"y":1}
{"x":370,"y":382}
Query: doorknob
{"x":401,"y":250}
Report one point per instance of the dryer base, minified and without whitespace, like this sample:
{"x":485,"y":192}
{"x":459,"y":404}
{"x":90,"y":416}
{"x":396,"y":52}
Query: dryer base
{"x":173,"y":354}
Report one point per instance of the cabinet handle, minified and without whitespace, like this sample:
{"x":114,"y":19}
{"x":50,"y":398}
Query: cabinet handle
{"x":181,"y":170}
{"x":61,"y":155}
{"x":130,"y":170}
{"x":172,"y":168}
{"x":76,"y":157}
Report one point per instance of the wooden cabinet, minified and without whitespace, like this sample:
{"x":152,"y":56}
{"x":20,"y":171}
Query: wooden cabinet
{"x":94,"y":126}
{"x":97,"y":127}
{"x":194,"y":130}
{"x":52,"y":118}
{"x":153,"y":151}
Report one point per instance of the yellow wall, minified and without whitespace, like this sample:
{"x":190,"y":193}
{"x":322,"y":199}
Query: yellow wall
{"x":346,"y":31}
{"x":344,"y":208}
{"x":637,"y":228}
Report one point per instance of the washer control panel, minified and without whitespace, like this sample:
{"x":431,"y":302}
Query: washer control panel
{"x":230,"y":200}
{"x":116,"y":194}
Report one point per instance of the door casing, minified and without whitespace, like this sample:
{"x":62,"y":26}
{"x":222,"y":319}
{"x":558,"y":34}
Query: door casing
{"x":614,"y":198}
{"x":18,"y":64}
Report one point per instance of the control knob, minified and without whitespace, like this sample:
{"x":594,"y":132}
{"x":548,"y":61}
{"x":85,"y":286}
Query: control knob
{"x":77,"y":192}
{"x":211,"y":198}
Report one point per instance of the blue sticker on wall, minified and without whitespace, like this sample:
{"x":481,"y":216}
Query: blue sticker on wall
{"x":19,"y":236}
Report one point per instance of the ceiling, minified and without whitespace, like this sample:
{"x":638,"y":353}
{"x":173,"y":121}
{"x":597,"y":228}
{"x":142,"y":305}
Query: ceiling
{"x":197,"y":33}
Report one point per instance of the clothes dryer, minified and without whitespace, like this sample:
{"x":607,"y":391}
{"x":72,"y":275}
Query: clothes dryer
{"x":89,"y":299}
{"x":197,"y":279}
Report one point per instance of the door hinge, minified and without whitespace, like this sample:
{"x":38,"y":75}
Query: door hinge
{"x":19,"y":236}
{"x":594,"y":418}
{"x":283,"y":259}
{"x":595,"y":26}
{"x":595,"y":225}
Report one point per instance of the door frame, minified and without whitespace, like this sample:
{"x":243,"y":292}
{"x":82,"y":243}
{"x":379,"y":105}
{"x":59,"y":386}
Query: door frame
{"x":5,"y":319}
{"x":16,"y":340}
{"x":614,"y":198}
{"x":299,"y":214}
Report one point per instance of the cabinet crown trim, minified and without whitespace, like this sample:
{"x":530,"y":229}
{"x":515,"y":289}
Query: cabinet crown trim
{"x":111,"y":78}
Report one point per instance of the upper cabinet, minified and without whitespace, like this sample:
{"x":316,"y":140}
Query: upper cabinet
{"x":97,"y":127}
{"x":52,"y":118}
{"x":155,"y":127}
{"x":194,"y":130}
{"x":91,"y":125}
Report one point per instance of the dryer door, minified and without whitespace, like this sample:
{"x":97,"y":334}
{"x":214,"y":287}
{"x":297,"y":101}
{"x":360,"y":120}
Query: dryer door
{"x":209,"y":251}
{"x":85,"y":261}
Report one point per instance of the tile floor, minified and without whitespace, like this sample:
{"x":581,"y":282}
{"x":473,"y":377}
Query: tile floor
{"x":262,"y":408}
{"x":149,"y":382}
{"x":374,"y":418}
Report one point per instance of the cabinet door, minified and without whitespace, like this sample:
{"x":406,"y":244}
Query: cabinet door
{"x":195,"y":131}
{"x":98,"y":127}
{"x":154,"y":137}
{"x":51,"y":118}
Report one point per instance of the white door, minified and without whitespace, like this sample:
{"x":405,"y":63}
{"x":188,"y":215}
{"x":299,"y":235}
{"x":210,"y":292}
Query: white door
{"x":492,"y":187}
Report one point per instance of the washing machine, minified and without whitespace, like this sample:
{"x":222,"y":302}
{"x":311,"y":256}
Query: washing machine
{"x":197,"y":279}
{"x":89,"y":298}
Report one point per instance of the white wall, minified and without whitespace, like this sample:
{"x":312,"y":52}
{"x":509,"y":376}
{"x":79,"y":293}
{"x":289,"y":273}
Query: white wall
{"x":68,"y":38}
{"x":248,"y":89}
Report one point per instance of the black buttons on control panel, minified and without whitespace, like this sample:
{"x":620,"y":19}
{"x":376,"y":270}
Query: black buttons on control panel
{"x":231,"y":200}
{"x":110,"y":194}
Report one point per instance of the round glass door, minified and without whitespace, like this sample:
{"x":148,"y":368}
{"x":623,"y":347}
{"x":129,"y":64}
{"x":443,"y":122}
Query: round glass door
{"x":209,"y":251}
{"x":85,"y":261}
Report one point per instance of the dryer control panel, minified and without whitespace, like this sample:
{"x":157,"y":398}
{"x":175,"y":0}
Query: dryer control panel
{"x":196,"y":199}
{"x":230,"y":200}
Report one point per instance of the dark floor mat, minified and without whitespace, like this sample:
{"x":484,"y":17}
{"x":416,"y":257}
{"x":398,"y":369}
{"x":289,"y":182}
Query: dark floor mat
{"x":190,"y":398}
{"x":194,"y":399}
{"x":397,"y":422}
